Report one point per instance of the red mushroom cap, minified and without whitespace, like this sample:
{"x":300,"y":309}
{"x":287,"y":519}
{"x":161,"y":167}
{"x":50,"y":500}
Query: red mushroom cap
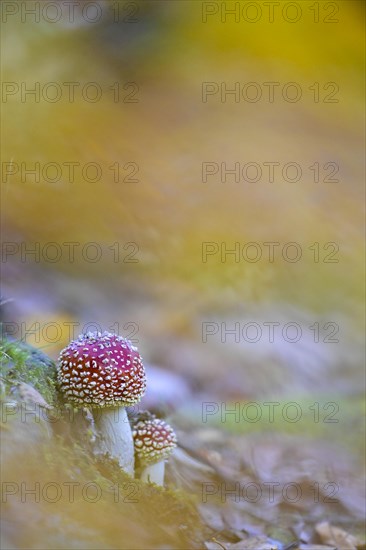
{"x":101,"y":370}
{"x":154,"y":440}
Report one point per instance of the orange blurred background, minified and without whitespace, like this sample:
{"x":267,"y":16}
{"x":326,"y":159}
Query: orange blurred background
{"x":162,"y":140}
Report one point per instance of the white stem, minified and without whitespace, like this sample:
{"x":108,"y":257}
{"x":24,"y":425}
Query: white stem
{"x":116,"y":436}
{"x":154,"y":473}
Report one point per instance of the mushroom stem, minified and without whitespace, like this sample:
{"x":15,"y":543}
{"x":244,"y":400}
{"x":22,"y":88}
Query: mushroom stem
{"x":115,"y":436}
{"x":154,"y":473}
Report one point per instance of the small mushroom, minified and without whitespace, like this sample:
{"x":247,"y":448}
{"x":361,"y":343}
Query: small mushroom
{"x":104,"y":372}
{"x":154,"y":442}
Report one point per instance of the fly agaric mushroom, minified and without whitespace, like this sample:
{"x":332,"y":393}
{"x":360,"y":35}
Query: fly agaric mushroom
{"x":104,"y":371}
{"x":154,"y":442}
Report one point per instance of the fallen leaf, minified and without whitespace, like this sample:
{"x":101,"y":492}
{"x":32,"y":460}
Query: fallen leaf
{"x":336,"y":536}
{"x":254,"y":543}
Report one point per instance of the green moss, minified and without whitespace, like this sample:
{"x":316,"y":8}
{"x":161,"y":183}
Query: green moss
{"x":20,"y":362}
{"x":167,"y":513}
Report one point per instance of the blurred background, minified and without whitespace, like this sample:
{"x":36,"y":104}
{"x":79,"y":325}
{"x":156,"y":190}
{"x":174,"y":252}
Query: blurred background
{"x":149,"y":213}
{"x":149,"y":133}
